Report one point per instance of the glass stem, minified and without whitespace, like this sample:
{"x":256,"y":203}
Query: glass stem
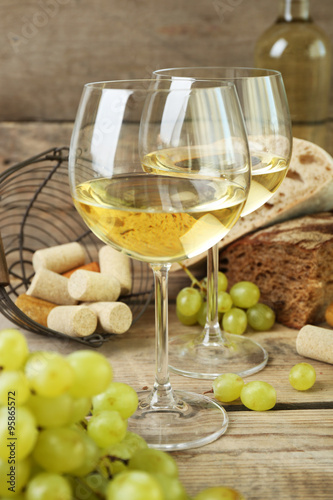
{"x":162,"y":395}
{"x":212,"y":330}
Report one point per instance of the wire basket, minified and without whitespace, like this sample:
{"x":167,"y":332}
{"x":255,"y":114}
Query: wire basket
{"x":37,"y":211}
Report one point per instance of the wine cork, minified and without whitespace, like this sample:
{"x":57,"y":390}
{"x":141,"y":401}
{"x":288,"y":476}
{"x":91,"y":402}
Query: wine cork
{"x":50,"y":286}
{"x":59,"y":258}
{"x":316,"y":343}
{"x":116,"y":264}
{"x":113,"y":317}
{"x":36,"y":309}
{"x":75,"y":321}
{"x":93,"y":287}
{"x":92,"y":266}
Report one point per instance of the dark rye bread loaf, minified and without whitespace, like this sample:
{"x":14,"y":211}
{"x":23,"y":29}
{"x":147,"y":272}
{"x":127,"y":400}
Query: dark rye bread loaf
{"x":292,"y":263}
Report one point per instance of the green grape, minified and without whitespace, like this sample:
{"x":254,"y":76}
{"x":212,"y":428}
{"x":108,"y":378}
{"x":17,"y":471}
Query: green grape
{"x":18,"y":432}
{"x":154,"y":462}
{"x":92,"y":373}
{"x":92,"y":454}
{"x":244,"y":294}
{"x":16,"y":473}
{"x":115,"y":466}
{"x":172,"y":487}
{"x":234,"y":321}
{"x":219,"y":493}
{"x":187,"y":320}
{"x":15,"y":384}
{"x":49,"y":373}
{"x":80,"y":409}
{"x":202,"y":314}
{"x":188,"y":303}
{"x":59,"y":450}
{"x":48,"y":486}
{"x":96,"y":483}
{"x":126,"y":448}
{"x":13,"y":349}
{"x":119,"y":397}
{"x":260,"y":317}
{"x":134,"y":485}
{"x":35,"y":468}
{"x":51,"y":412}
{"x":302,"y":376}
{"x":20,"y":496}
{"x":123,"y":450}
{"x":224,"y":302}
{"x":227,"y":387}
{"x":222,"y":282}
{"x":258,"y":396}
{"x":107,"y":428}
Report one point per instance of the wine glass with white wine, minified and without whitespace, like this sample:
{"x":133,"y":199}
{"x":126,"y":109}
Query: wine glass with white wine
{"x":213,"y":351}
{"x":123,"y":129}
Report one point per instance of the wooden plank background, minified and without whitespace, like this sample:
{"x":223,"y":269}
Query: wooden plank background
{"x":50,"y":48}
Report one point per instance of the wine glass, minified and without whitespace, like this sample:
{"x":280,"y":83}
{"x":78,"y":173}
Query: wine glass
{"x":124,"y":130}
{"x":266,"y":113}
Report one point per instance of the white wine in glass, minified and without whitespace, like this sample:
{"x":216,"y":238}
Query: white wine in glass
{"x":262,"y":96}
{"x":120,"y":127}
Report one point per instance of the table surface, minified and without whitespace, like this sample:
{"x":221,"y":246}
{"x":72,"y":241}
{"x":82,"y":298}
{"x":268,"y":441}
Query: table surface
{"x":285,"y":453}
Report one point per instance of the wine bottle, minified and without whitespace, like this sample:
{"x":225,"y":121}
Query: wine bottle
{"x":301,"y":51}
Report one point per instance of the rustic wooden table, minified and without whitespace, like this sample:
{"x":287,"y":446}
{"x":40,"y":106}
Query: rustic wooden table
{"x":283,"y":454}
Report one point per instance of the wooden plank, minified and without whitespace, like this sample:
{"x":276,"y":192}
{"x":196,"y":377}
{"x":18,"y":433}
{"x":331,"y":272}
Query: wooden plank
{"x":282,"y":455}
{"x":50,"y":48}
{"x":19,"y":141}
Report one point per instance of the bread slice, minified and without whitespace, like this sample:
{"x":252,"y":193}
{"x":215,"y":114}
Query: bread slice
{"x":307,"y":188}
{"x":292,"y":263}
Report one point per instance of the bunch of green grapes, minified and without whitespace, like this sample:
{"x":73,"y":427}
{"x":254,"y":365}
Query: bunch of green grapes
{"x":64,"y":436}
{"x":237,"y":308}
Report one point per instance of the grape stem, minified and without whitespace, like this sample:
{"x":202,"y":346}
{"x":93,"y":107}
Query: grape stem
{"x":113,"y":458}
{"x":192,"y":277}
{"x":103,"y":467}
{"x":209,"y":392}
{"x":83,"y":424}
{"x":103,"y":470}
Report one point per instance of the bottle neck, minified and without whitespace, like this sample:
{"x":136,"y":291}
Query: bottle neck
{"x":294,"y":10}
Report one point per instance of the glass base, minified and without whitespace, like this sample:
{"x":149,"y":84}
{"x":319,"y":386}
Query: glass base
{"x":191,"y":356}
{"x":192,"y":420}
